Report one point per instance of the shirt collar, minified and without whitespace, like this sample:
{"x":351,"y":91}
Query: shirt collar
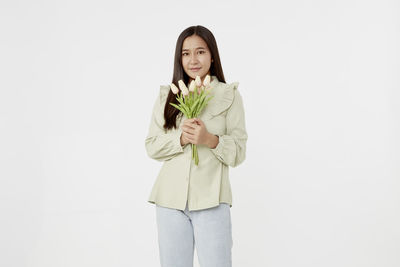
{"x":214,"y":81}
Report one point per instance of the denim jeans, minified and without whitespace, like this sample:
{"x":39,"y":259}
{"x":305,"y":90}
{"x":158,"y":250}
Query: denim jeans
{"x":210,"y":230}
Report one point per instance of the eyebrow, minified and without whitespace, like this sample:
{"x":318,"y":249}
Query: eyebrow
{"x":200,"y":47}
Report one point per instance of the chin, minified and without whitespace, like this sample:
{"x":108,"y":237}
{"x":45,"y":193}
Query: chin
{"x":197,"y":74}
{"x":194,"y":74}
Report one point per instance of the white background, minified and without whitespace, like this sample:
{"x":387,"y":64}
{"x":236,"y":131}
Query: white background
{"x":320,"y":83}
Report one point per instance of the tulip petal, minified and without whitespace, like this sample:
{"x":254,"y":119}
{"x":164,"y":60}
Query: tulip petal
{"x":198,"y":81}
{"x":206,"y":80}
{"x":192,"y":86}
{"x":174,"y":89}
{"x":184,"y":89}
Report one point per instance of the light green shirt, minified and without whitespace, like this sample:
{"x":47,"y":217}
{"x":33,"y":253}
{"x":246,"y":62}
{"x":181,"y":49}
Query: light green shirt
{"x":179,"y":179}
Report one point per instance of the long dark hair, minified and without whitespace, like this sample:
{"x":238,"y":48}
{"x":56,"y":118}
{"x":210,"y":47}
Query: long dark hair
{"x":170,"y":112}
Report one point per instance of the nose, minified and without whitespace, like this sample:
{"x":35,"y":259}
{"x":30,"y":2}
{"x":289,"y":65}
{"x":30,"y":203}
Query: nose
{"x":193,"y":58}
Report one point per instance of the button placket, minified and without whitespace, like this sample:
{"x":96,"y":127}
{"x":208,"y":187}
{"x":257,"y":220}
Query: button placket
{"x":188,"y":178}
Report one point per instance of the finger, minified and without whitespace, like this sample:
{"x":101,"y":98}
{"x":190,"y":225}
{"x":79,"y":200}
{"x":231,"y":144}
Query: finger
{"x":198,"y":121}
{"x":195,"y":127}
{"x":189,"y":120}
{"x":185,"y":139}
{"x":188,"y":125}
{"x":188,"y":137}
{"x":191,"y":139}
{"x":190,"y":134}
{"x":189,"y":129}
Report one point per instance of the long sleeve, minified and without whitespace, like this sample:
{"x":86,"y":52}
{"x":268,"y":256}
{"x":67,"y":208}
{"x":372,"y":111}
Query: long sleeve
{"x":231,"y":148}
{"x":160,"y":144}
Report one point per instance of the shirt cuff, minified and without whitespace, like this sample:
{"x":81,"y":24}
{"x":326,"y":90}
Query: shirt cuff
{"x":178,"y":140}
{"x":218,"y":149}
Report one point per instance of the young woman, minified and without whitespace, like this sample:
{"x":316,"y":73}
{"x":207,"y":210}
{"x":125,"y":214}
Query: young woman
{"x":193,"y":201}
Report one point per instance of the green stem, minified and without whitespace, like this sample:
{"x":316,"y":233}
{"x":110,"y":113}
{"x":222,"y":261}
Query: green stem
{"x":196,"y":156}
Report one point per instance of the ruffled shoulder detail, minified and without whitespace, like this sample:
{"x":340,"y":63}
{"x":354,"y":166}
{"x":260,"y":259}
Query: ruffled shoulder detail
{"x":164,"y":91}
{"x":223,"y":98}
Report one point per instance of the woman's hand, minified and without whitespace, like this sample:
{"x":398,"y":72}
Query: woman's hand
{"x":184,"y":140}
{"x":194,"y":131}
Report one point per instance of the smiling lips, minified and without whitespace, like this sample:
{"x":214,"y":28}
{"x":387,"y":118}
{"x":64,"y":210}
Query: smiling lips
{"x":195,"y":69}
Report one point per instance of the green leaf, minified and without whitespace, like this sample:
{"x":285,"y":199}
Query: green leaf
{"x":178,"y":107}
{"x":183,"y":105}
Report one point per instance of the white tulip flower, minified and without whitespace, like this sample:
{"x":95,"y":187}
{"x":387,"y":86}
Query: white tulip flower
{"x":206,"y":81}
{"x":198,"y":81}
{"x":192,"y":86}
{"x":174,"y":89}
{"x":184,"y":89}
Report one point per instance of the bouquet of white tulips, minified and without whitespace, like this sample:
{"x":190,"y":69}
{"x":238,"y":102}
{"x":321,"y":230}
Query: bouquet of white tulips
{"x":192,"y":101}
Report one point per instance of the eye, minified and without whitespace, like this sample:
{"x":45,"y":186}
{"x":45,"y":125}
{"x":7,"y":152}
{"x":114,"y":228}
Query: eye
{"x":184,"y":54}
{"x":202,"y":52}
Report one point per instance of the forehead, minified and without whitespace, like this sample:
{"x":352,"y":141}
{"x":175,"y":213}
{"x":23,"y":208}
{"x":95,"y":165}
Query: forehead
{"x":194,"y":42}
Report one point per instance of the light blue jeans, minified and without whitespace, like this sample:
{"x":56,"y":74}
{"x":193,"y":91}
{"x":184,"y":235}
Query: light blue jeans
{"x":210,"y":230}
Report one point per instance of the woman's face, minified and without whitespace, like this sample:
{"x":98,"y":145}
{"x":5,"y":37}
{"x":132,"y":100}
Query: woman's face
{"x":196,"y":57}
